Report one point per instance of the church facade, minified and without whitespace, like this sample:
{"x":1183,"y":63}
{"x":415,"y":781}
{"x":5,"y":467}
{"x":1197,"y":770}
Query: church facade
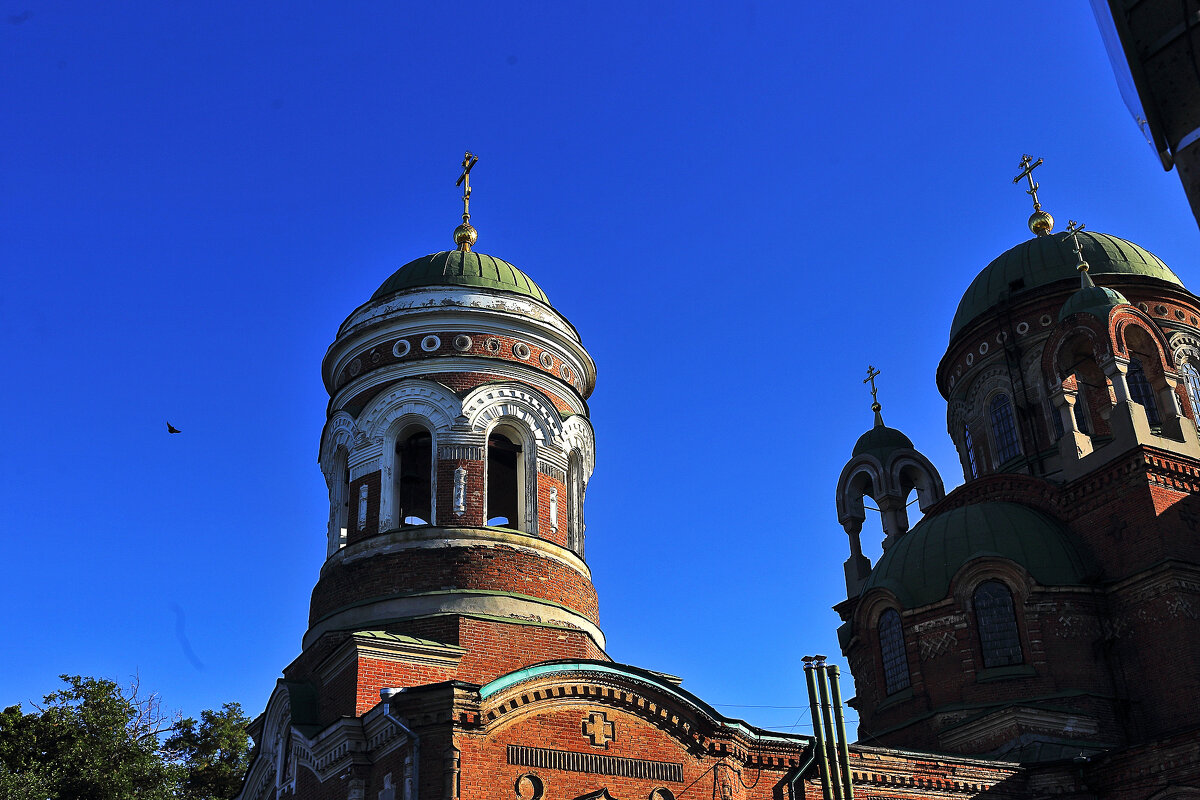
{"x":1034,"y":634}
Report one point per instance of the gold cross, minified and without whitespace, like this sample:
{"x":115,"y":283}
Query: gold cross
{"x":872,"y":374}
{"x":1028,"y":165}
{"x":468,"y":161}
{"x":1073,"y":228}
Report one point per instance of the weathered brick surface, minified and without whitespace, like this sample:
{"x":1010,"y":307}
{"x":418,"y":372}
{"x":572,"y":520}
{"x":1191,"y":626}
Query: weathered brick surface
{"x":495,"y":568}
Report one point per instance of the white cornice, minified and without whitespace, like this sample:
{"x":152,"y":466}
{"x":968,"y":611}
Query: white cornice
{"x":429,"y":367}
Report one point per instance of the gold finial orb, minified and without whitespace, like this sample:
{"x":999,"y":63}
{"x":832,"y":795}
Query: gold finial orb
{"x":465,"y":235}
{"x":1041,"y":223}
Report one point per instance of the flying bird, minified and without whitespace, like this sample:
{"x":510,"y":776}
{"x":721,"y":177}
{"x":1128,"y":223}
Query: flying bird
{"x":172,"y":429}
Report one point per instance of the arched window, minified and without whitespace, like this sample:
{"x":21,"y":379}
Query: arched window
{"x":891,"y":645}
{"x":1191,"y":377}
{"x":505,"y":479}
{"x":413,"y":476}
{"x":1004,"y":429}
{"x":1140,"y":391}
{"x":575,"y":504}
{"x":970,"y":446}
{"x":996,"y":620}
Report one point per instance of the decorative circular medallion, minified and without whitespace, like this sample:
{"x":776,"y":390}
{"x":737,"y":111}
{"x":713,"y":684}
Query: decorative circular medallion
{"x":521,"y":350}
{"x":1161,"y":310}
{"x":376,"y":357}
{"x":1179,"y":313}
{"x":1145,"y":309}
{"x":970,"y":359}
{"x":462,"y":342}
{"x":546,"y":361}
{"x":430,"y":343}
{"x":983,"y":348}
{"x":400,"y":348}
{"x":492,"y":345}
{"x":1045,"y":321}
{"x":564,"y":372}
{"x":355,"y":367}
{"x":1001,"y":337}
{"x":1022,"y":328}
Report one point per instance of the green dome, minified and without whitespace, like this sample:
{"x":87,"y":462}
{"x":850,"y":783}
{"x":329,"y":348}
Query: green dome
{"x":1046,"y":259}
{"x":458,"y":268}
{"x":880,"y":441}
{"x":918,"y":568}
{"x":1095,"y":300}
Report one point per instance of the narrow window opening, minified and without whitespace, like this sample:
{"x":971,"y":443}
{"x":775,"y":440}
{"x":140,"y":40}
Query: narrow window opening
{"x":1056,"y":418}
{"x":575,"y":505}
{"x":1141,"y":392}
{"x":343,"y":522}
{"x":414,"y":478}
{"x":1004,"y":429}
{"x":970,"y":446}
{"x":996,"y":620}
{"x":503,"y":481}
{"x":891,"y":645}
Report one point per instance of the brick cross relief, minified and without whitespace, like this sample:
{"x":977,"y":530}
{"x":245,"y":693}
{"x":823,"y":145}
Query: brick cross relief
{"x":598,"y":729}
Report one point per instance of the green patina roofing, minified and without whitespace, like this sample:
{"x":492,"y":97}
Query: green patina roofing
{"x":1046,"y":259}
{"x":918,"y":568}
{"x":458,"y":268}
{"x":880,"y":441}
{"x":1094,"y":300}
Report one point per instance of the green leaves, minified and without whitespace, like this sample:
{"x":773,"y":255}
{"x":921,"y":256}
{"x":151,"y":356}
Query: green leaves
{"x":98,"y":741}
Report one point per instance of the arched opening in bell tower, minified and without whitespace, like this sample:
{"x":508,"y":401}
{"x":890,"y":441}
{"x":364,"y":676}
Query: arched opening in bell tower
{"x":575,"y":503}
{"x":505,"y":478}
{"x":413,"y":476}
{"x":339,"y":500}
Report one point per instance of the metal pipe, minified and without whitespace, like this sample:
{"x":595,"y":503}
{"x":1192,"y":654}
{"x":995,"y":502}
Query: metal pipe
{"x":386,"y":695}
{"x":811,"y":679}
{"x":843,"y":748}
{"x":835,"y":777}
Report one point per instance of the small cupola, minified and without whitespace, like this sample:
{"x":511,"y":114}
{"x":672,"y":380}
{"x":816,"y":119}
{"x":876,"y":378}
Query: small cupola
{"x":886,"y":467}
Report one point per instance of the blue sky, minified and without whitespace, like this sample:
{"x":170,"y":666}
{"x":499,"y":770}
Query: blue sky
{"x":739,"y":206}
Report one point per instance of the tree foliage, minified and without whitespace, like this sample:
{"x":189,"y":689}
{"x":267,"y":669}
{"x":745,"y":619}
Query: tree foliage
{"x":95,"y":740}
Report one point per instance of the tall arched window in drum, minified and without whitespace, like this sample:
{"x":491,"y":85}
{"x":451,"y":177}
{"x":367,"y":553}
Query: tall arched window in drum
{"x":996,"y":621}
{"x":1004,"y":429}
{"x":891,"y":646}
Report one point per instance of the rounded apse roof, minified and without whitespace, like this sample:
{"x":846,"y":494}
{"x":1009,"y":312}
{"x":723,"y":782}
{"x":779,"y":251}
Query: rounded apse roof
{"x":459,"y":268}
{"x":1046,"y":259}
{"x":918,"y":568}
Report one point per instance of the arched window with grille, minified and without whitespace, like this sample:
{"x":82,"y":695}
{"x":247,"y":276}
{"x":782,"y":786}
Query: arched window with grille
{"x":1004,"y":429}
{"x":969,"y":444}
{"x":1141,"y":392}
{"x":996,"y":622}
{"x":1191,"y":376}
{"x":891,"y":646}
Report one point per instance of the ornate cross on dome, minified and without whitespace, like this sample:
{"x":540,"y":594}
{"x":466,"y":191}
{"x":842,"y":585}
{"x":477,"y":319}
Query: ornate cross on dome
{"x":465,"y":235}
{"x":1041,"y":223}
{"x":1073,"y":229}
{"x":872,"y":374}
